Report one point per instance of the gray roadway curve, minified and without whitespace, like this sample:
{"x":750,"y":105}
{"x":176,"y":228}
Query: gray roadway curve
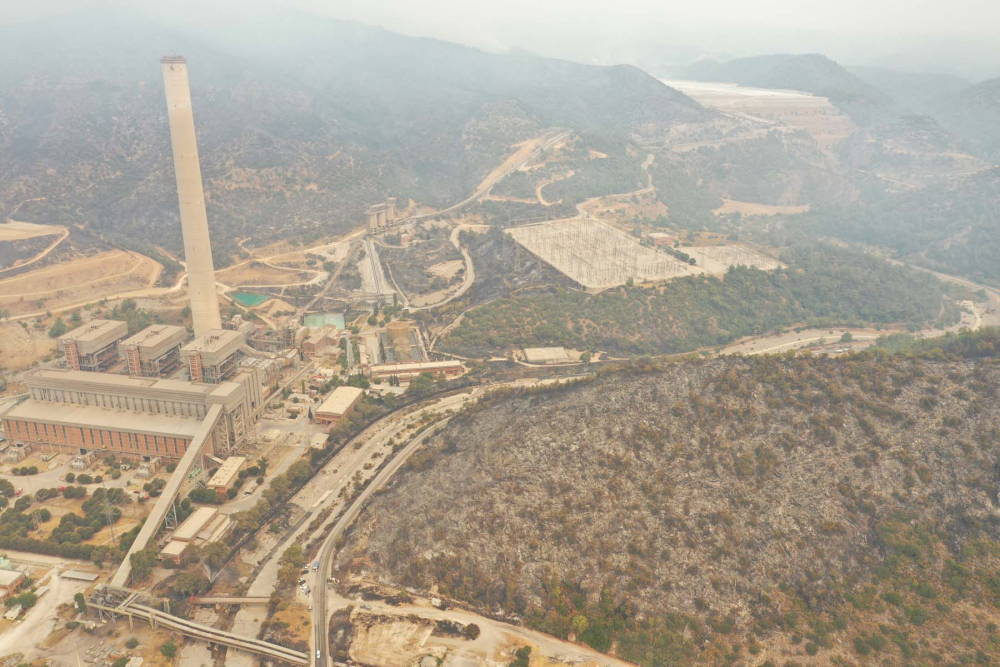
{"x":326,"y":552}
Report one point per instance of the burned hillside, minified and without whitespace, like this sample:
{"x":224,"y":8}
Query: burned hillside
{"x":699,"y":511}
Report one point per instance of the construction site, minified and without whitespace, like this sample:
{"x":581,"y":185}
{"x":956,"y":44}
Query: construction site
{"x":596,"y":255}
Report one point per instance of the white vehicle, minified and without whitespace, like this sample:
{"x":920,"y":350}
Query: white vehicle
{"x":317,"y":654}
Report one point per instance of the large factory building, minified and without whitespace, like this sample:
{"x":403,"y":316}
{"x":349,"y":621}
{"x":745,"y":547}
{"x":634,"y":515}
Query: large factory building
{"x":75,"y":412}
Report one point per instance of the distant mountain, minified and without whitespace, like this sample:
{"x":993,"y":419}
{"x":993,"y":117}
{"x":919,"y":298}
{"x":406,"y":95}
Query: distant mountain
{"x":951,"y":227}
{"x":811,"y":73}
{"x":974,"y":115}
{"x":911,"y":90}
{"x":908,"y":151}
{"x":301,"y":121}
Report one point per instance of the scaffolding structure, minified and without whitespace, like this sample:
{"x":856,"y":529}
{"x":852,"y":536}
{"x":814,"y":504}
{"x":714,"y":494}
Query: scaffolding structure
{"x":597,"y":255}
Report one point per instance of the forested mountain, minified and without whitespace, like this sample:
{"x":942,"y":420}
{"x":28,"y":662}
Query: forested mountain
{"x":765,"y":510}
{"x":912,"y":91}
{"x":811,"y":73}
{"x":951,"y":227}
{"x":300,"y":125}
{"x":907,"y":151}
{"x":974,"y":115}
{"x":823,"y":286}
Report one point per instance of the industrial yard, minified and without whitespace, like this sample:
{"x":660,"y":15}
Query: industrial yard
{"x":716,"y":259}
{"x":597,"y":255}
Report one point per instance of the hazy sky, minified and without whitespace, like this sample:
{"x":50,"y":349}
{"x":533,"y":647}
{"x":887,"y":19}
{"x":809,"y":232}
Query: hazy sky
{"x":960,"y":35}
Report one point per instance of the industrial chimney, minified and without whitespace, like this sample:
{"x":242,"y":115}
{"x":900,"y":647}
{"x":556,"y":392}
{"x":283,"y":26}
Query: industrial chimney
{"x":194,"y":221}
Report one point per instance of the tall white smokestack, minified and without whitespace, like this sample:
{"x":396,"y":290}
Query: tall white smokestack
{"x":194,"y":221}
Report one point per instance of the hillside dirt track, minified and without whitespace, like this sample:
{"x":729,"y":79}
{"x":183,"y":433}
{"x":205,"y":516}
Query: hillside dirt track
{"x":78,"y":281}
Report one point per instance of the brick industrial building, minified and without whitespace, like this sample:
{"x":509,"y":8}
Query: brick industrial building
{"x":338,"y":405}
{"x":154,"y":351}
{"x":92,"y":347}
{"x":140,"y":418}
{"x":214,"y":356}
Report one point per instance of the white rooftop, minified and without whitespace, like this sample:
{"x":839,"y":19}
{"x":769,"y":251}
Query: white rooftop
{"x":9,"y":577}
{"x":227,"y":472}
{"x":90,"y":416}
{"x":415,"y":366}
{"x":340,"y":401}
{"x":194,"y":523}
{"x":174,"y":548}
{"x":96,"y":330}
{"x":63,"y":378}
{"x":216,"y":342}
{"x":546,"y":354}
{"x":156,"y":335}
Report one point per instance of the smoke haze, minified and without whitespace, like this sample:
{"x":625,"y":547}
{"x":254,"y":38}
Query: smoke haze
{"x":960,"y":37}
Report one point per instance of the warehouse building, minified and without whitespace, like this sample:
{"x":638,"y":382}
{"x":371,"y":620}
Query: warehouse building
{"x":74,"y":412}
{"x":226,"y":475}
{"x":338,"y":405}
{"x":154,"y":352}
{"x":206,"y":524}
{"x":408,"y":371}
{"x":92,"y":347}
{"x":9,"y":581}
{"x":214,"y":356}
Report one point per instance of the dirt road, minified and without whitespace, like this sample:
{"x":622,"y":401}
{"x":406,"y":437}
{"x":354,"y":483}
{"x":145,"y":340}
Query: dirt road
{"x":39,"y":621}
{"x":62,"y":237}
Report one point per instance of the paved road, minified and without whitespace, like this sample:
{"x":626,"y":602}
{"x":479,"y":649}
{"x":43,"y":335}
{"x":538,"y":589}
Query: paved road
{"x":470,"y":272}
{"x":321,"y":642}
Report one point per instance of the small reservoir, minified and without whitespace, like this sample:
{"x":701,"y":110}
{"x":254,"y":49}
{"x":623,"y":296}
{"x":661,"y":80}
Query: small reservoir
{"x":250,"y":299}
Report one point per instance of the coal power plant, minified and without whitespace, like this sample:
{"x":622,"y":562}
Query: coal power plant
{"x":191,"y":197}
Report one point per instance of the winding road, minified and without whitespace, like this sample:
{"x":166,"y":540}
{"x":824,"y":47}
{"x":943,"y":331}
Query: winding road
{"x":495,"y":631}
{"x":487,"y":185}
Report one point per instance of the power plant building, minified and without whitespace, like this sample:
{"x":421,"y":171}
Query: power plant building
{"x":154,"y":351}
{"x":380,"y":217}
{"x":92,"y":347}
{"x":75,"y":412}
{"x":191,"y":197}
{"x":405,"y":372}
{"x":226,"y":475}
{"x":214,"y":356}
{"x":338,"y":405}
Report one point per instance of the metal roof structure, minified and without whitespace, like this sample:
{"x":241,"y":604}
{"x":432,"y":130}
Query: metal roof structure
{"x":95,"y":331}
{"x":89,"y":416}
{"x":340,"y":401}
{"x":227,"y":472}
{"x":194,"y":524}
{"x":156,"y":338}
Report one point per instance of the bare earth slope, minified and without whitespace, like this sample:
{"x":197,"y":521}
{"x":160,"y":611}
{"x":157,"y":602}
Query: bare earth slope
{"x":705,"y":509}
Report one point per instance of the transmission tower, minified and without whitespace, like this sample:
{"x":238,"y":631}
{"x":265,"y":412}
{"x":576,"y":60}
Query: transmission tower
{"x":109,"y":515}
